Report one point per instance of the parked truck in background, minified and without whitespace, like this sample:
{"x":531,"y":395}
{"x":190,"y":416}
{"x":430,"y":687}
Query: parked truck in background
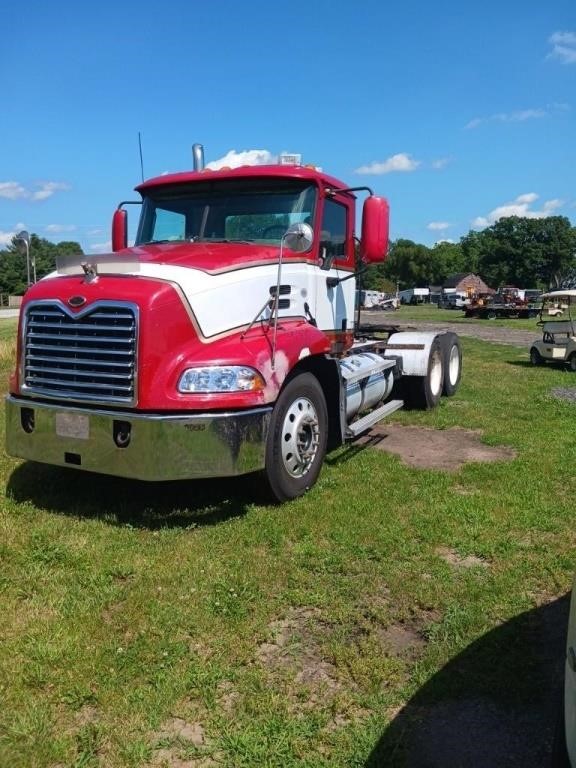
{"x":224,"y":341}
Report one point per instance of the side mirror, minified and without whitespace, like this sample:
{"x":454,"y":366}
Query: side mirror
{"x":119,"y":229}
{"x":298,"y":237}
{"x":375,"y":229}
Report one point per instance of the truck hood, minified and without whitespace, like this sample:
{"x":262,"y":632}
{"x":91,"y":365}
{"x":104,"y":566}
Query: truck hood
{"x":208,"y":257}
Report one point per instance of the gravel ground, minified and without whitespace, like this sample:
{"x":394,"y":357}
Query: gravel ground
{"x":487,"y":331}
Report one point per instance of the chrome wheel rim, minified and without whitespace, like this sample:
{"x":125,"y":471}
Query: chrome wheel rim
{"x":454,"y":365}
{"x":300,"y":437}
{"x":436,"y":373}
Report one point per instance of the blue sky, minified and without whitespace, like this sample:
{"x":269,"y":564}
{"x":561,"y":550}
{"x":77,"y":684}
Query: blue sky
{"x":457,"y":112}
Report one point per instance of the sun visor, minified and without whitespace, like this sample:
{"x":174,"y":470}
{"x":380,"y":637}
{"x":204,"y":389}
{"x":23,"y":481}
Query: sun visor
{"x":97,"y":264}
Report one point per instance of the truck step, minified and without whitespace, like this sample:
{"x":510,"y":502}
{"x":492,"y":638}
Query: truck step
{"x":362,"y":373}
{"x":357,"y":427}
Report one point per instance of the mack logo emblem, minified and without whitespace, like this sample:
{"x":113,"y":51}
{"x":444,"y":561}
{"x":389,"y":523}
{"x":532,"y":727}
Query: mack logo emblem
{"x":76,"y":301}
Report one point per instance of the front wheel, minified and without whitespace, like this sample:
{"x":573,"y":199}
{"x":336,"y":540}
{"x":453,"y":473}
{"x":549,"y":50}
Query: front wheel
{"x":572,"y":362}
{"x":297,"y":438}
{"x":535,"y":357}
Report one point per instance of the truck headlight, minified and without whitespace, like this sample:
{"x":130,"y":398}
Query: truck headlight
{"x":220,"y":378}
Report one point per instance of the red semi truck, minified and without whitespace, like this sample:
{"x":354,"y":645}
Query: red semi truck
{"x":224,"y":341}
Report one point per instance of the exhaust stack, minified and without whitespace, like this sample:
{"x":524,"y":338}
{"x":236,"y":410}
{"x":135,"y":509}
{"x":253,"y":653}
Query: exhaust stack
{"x":198,"y":155}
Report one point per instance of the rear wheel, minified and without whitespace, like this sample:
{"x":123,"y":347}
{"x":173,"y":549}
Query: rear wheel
{"x":425,"y":391}
{"x":452,"y":361}
{"x":572,"y":362}
{"x":297,"y":437}
{"x":491,"y":314}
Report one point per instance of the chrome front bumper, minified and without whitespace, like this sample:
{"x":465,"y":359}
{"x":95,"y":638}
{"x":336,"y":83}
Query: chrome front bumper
{"x":139,"y":446}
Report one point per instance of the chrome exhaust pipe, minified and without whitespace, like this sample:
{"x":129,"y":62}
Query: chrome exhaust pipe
{"x":198,"y":155}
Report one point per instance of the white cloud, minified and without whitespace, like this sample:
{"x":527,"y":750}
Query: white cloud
{"x":442,"y":162}
{"x":6,"y":238}
{"x":563,"y":47}
{"x":518,"y":116}
{"x":57,"y":228}
{"x":400,"y":163}
{"x":445,"y":240}
{"x":519,"y":207}
{"x":527,"y":199}
{"x":438,"y":226}
{"x":101,"y":247}
{"x":12,"y":190}
{"x":235,"y":159}
{"x":47,"y":189}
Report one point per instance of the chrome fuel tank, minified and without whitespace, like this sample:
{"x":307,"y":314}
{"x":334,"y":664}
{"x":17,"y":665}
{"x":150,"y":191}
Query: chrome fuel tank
{"x":369,"y":380}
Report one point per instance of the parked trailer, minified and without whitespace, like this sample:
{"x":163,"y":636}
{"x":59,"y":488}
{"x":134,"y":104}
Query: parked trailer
{"x":223,"y":342}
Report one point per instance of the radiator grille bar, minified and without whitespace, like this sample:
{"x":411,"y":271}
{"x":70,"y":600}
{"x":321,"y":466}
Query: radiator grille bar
{"x":87,"y":357}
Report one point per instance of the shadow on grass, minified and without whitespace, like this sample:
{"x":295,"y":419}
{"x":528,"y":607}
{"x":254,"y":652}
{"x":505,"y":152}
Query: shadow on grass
{"x":132,"y":502}
{"x":493,"y":706}
{"x":558,"y":366}
{"x":348,"y":452}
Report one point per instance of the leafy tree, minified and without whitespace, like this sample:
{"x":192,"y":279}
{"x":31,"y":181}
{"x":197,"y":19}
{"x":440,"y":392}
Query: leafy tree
{"x":409,"y":264}
{"x":447,"y":259}
{"x":13,"y":269}
{"x":523,"y":251}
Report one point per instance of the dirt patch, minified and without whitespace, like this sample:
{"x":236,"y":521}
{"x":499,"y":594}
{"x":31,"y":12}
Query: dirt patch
{"x":173,"y":742}
{"x":400,"y":640}
{"x":295,"y":644}
{"x":227,"y":697}
{"x":425,"y":448}
{"x":453,"y":558}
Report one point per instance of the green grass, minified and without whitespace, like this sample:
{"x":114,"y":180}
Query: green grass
{"x":126,"y":605}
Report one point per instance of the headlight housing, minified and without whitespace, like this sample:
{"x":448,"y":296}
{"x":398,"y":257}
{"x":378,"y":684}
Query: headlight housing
{"x":220,"y":378}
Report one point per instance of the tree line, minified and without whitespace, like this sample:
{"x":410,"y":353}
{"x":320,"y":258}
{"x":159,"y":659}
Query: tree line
{"x":42,"y":253}
{"x":520,"y":251}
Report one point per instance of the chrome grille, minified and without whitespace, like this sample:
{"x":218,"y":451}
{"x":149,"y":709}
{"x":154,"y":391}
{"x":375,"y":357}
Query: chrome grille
{"x":88,"y":356}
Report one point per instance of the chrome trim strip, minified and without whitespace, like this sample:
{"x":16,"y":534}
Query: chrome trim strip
{"x":161,"y":447}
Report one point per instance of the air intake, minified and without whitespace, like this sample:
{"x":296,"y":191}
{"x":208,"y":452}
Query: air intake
{"x":88,"y":356}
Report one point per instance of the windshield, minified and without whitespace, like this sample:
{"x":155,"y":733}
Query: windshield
{"x":242,"y":210}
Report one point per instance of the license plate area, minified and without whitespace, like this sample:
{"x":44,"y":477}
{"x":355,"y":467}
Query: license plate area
{"x":74,"y":425}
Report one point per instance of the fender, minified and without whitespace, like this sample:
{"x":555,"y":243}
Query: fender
{"x":414,"y":347}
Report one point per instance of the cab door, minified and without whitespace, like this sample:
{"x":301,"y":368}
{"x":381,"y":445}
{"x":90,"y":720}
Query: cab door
{"x":335,"y":303}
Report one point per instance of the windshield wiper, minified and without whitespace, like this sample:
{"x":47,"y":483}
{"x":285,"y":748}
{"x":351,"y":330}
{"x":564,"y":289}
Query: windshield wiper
{"x":223,"y":240}
{"x":167,"y":240}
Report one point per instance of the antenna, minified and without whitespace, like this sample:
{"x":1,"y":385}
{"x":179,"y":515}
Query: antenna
{"x":141,"y":161}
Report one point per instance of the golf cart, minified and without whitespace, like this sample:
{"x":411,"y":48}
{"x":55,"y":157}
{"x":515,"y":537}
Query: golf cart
{"x":558,"y":343}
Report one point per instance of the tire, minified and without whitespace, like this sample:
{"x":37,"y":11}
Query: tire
{"x":452,"y":362}
{"x":491,"y":315}
{"x":535,"y":357}
{"x":572,"y":362}
{"x":297,"y":438}
{"x":424,"y":392}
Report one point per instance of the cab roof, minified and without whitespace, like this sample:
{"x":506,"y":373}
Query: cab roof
{"x":298,"y":172}
{"x":566,"y":293}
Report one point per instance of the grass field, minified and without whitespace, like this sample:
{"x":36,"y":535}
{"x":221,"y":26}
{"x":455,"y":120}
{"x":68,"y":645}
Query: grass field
{"x":431,"y":313}
{"x":146,"y":625}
